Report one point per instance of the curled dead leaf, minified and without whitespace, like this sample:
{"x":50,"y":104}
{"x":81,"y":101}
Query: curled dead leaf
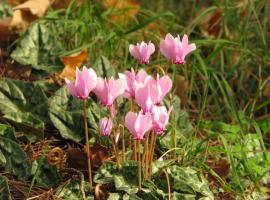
{"x":71,"y":62}
{"x":181,"y":86}
{"x":25,"y":13}
{"x":122,"y":10}
{"x":5,"y":32}
{"x":266,"y":90}
{"x":211,"y":25}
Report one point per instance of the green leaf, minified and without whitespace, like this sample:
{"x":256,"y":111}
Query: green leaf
{"x":40,"y":46}
{"x":127,"y":178}
{"x":7,"y":132}
{"x":25,"y":105}
{"x":105,"y":173}
{"x":114,"y":196}
{"x":103,"y":67}
{"x":158,"y":165}
{"x":73,"y":190}
{"x":67,"y":116}
{"x":4,"y":189}
{"x":5,"y":10}
{"x":13,"y":158}
{"x":188,"y":181}
{"x":47,"y":175}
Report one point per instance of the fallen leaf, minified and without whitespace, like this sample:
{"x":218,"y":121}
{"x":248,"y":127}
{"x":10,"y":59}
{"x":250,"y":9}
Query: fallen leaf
{"x":211,"y":26}
{"x":5,"y":32}
{"x":60,"y":4}
{"x":266,"y":90}
{"x":15,"y":2}
{"x":24,"y":14}
{"x":181,"y":86}
{"x":122,"y":10}
{"x":71,"y":62}
{"x":77,"y":158}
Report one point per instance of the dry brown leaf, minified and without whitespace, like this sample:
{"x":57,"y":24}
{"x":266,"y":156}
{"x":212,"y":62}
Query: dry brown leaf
{"x":71,"y":62}
{"x":15,"y":2}
{"x":211,"y":26}
{"x":266,"y":90}
{"x":60,"y":4}
{"x":123,"y":10}
{"x":24,"y":14}
{"x":5,"y":32}
{"x":181,"y":85}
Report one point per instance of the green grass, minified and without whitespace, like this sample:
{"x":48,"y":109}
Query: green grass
{"x":226,"y":74}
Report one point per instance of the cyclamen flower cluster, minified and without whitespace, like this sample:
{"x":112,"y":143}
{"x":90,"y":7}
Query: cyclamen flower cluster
{"x":146,"y":91}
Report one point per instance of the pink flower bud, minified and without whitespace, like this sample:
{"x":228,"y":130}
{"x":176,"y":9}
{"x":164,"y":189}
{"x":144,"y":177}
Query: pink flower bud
{"x":105,"y":126}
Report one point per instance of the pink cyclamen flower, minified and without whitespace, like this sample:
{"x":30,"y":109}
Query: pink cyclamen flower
{"x":142,"y":51}
{"x":138,"y":124}
{"x":86,"y":81}
{"x":147,"y":96}
{"x":164,"y":86}
{"x":160,"y":119}
{"x":108,"y":90}
{"x":175,"y":49}
{"x":105,"y":126}
{"x":133,"y":80}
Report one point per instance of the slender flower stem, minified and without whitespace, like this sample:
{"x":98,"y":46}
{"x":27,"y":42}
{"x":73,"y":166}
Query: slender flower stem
{"x":88,"y":150}
{"x":130,"y":138}
{"x":115,"y":152}
{"x":123,"y":143}
{"x":153,"y":145}
{"x":114,"y":144}
{"x":168,"y":183}
{"x":145,"y":156}
{"x":139,"y":167}
{"x":135,"y":150}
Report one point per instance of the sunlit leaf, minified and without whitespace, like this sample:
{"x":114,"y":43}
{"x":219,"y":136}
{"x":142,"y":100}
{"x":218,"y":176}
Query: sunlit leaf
{"x":46,"y":175}
{"x":73,"y":190}
{"x":4,"y":189}
{"x":67,"y":116}
{"x":16,"y":161}
{"x":39,"y":47}
{"x":25,"y":105}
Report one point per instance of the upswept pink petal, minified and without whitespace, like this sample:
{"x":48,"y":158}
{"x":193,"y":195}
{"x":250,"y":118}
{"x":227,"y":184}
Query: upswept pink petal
{"x":160,"y":119}
{"x":142,"y":51}
{"x":130,"y":121}
{"x":168,"y":46}
{"x":134,"y":51}
{"x":117,"y":88}
{"x":145,"y":124}
{"x":151,"y":48}
{"x":108,"y":90}
{"x":84,"y":83}
{"x":191,"y":47}
{"x":175,"y":49}
{"x":139,"y":124}
{"x":141,"y":76}
{"x":92,"y":79}
{"x":100,"y":90}
{"x":185,"y":42}
{"x":71,"y":88}
{"x":165,"y":85}
{"x":145,"y":97}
